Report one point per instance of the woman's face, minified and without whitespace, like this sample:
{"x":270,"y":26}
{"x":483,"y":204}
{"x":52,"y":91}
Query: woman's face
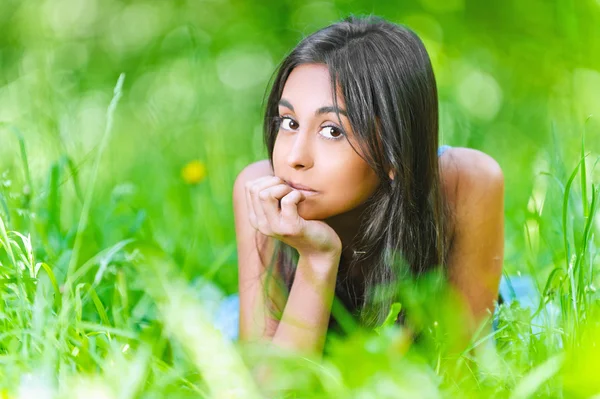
{"x":312,"y":149}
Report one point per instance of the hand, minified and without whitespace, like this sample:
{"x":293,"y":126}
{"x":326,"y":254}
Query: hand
{"x":312,"y":238}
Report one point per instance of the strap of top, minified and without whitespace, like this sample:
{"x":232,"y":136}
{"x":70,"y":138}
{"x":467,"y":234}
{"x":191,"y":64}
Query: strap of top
{"x":442,"y":149}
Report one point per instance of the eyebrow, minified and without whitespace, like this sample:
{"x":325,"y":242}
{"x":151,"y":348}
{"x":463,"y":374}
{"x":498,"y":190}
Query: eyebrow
{"x":323,"y":110}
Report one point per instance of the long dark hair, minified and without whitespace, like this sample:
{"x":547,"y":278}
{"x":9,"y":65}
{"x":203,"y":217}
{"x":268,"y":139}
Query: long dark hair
{"x":389,"y":89}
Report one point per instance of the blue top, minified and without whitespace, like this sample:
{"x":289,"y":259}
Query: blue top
{"x":442,"y":149}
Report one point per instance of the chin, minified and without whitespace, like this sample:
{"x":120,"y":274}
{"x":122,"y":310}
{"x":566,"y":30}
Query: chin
{"x":308,"y":212}
{"x":305,"y":212}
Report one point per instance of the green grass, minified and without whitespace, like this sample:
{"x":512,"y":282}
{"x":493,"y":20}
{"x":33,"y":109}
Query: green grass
{"x":125,"y":320}
{"x":111,"y":258}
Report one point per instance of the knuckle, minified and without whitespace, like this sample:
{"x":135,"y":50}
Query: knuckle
{"x":288,"y":199}
{"x":252,"y":185}
{"x":255,"y":191}
{"x":263,"y":225}
{"x":264,"y":195}
{"x":253,"y":223}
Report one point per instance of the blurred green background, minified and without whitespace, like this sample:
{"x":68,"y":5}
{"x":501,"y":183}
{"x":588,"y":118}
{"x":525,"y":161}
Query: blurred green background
{"x":107,"y":316}
{"x":519,"y":80}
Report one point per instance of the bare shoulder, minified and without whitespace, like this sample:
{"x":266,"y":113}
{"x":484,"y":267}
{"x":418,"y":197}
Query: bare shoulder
{"x":475,"y":185}
{"x":468,"y":175}
{"x":474,"y":162}
{"x":251,"y":172}
{"x":254,"y":171}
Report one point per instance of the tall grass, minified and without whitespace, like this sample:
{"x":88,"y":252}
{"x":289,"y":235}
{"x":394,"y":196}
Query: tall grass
{"x":112,"y":260}
{"x":125,"y":322}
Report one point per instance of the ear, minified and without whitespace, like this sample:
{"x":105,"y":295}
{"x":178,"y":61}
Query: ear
{"x":391,"y":174}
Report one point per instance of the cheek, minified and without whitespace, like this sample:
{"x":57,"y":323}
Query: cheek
{"x":355,"y":188}
{"x":348,"y":186}
{"x":355,"y":179}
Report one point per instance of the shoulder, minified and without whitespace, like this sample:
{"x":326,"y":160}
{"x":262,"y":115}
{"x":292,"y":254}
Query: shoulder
{"x":475,"y":185}
{"x":254,"y":171}
{"x":469,"y":175}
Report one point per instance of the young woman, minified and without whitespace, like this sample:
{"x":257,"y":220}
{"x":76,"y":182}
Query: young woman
{"x":354,"y":187}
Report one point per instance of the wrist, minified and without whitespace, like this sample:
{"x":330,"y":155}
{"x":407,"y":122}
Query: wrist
{"x":323,"y":265}
{"x":332,"y":256}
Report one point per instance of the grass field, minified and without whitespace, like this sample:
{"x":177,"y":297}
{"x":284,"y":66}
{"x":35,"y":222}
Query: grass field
{"x":124,"y":124}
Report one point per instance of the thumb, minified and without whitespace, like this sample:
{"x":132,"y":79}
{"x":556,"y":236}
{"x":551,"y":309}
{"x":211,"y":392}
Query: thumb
{"x":289,"y":205}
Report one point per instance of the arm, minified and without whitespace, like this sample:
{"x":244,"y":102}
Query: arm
{"x":476,"y":257}
{"x":303,"y":326}
{"x":304,"y":322}
{"x":255,"y":324}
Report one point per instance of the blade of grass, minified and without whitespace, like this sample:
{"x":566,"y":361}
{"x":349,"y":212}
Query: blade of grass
{"x":57,"y":295}
{"x":185,"y":320}
{"x":6,"y":242}
{"x":537,"y":376}
{"x":4,"y":208}
{"x":584,"y":199}
{"x":90,"y":189}
{"x":101,"y":328}
{"x":565,"y":208}
{"x":99,"y":305}
{"x":65,"y":307}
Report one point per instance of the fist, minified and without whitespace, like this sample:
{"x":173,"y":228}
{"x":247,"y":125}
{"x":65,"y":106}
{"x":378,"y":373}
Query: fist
{"x":273,"y":210}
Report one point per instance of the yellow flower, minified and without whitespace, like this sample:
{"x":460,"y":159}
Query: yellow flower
{"x":193,"y":172}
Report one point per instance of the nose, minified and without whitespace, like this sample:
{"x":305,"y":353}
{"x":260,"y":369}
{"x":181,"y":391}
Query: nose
{"x":300,"y":154}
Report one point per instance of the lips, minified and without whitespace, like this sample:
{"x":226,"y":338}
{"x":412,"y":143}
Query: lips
{"x":299,"y":186}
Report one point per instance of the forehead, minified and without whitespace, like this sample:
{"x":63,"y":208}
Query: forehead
{"x":310,"y":83}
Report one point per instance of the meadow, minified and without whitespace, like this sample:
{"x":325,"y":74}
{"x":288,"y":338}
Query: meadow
{"x":123,"y":125}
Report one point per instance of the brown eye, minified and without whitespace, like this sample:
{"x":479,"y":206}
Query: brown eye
{"x":332,"y":133}
{"x":288,"y":123}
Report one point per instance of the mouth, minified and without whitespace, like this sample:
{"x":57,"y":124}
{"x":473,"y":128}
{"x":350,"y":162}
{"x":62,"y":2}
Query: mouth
{"x":300,"y":187}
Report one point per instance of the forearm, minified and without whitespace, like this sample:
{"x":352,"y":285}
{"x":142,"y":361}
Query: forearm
{"x":303,"y":325}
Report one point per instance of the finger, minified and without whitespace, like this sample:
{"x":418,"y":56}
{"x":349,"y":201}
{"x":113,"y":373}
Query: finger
{"x":261,"y":219}
{"x":289,"y":205}
{"x":249,"y":202}
{"x":250,"y":207}
{"x":270,"y":202}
